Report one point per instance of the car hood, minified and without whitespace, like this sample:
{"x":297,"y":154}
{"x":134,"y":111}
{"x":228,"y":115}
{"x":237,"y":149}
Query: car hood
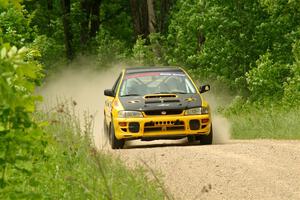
{"x":161,"y":102}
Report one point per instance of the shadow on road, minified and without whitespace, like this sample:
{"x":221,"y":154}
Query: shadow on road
{"x":159,"y":144}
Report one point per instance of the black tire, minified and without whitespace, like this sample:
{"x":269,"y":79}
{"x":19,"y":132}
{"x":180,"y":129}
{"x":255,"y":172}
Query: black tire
{"x":114,"y":142}
{"x":206,"y":139}
{"x":105,"y":128}
{"x":191,"y":139}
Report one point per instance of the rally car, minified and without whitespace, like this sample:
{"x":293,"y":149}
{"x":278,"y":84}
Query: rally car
{"x":156,"y":103}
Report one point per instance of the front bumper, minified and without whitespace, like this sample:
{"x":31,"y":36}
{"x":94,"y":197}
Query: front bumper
{"x":162,"y":126}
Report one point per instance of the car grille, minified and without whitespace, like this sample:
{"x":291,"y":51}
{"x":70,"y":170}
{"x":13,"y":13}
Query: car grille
{"x":163,"y":112}
{"x":160,"y":126}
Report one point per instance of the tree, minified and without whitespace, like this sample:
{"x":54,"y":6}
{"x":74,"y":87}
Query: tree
{"x":164,"y":13}
{"x":95,"y":17}
{"x":151,"y":17}
{"x":66,"y":12}
{"x":139,"y":16}
{"x":90,"y":22}
{"x":143,"y":17}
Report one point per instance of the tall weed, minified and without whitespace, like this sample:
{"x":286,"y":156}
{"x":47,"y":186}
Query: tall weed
{"x":75,"y":169}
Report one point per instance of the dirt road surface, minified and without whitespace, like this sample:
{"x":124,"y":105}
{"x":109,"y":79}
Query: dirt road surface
{"x":254,"y":169}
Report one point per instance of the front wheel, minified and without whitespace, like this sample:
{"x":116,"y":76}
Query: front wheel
{"x":191,"y":139}
{"x":114,"y":142}
{"x":206,"y":139}
{"x":105,"y":128}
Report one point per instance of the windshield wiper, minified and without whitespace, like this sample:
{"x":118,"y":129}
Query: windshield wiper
{"x":128,"y":95}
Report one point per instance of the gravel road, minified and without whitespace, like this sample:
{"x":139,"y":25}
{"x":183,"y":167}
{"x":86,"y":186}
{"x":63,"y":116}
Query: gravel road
{"x":241,"y":169}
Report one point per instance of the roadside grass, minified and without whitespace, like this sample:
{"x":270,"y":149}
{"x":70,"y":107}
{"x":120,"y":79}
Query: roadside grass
{"x":74,"y":169}
{"x":261,"y":122}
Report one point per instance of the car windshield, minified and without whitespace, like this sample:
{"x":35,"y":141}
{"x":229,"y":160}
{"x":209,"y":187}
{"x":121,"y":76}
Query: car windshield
{"x":141,"y":84}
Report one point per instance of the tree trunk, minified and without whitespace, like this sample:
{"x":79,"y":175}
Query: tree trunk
{"x":164,"y":13}
{"x":49,"y":10}
{"x":66,"y":8}
{"x":95,"y":17}
{"x":84,"y":24}
{"x":143,"y":15}
{"x":201,"y":40}
{"x":139,"y":14}
{"x":136,"y":17}
{"x":151,"y":17}
{"x":49,"y":4}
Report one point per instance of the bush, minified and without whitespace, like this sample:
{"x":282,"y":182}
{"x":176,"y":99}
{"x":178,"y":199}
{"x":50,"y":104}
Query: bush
{"x":51,"y":52}
{"x":266,"y":80}
{"x":21,"y":137}
{"x":14,"y":26}
{"x":292,"y":86}
{"x":142,"y":53}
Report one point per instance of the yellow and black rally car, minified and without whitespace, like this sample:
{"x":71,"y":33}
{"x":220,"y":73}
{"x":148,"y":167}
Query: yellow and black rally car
{"x":156,"y":103}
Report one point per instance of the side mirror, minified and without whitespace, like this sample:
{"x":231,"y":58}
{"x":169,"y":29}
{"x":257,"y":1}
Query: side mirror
{"x":204,"y":88}
{"x":109,"y":93}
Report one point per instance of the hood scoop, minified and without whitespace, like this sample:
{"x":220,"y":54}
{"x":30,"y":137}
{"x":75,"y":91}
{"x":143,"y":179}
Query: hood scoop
{"x":153,"y":96}
{"x":162,"y":101}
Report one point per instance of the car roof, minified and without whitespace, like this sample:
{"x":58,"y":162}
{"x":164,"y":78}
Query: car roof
{"x":152,"y":69}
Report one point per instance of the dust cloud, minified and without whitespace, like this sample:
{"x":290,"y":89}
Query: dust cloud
{"x":221,"y":129}
{"x":219,"y":96}
{"x":86,"y":86}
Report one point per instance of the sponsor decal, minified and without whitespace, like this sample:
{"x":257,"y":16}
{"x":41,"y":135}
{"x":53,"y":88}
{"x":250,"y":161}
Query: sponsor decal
{"x":142,"y":75}
{"x":153,"y":74}
{"x":164,"y":104}
{"x":172,"y":74}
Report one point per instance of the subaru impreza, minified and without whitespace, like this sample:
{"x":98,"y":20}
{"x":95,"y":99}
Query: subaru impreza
{"x":156,"y":103}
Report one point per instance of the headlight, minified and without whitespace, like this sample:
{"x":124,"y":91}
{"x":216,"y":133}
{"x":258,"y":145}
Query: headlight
{"x":197,"y":111}
{"x":129,"y":114}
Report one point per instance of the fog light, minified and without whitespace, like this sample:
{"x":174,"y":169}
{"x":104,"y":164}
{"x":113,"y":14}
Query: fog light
{"x":204,"y":120}
{"x":122,"y":123}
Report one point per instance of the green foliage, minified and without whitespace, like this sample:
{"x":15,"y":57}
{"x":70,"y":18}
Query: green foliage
{"x":117,"y":21}
{"x":14,"y":25}
{"x":142,"y":53}
{"x":292,"y":86}
{"x":266,"y":80}
{"x":215,"y":36}
{"x":110,"y":49}
{"x":230,"y":40}
{"x":246,"y":44}
{"x":149,"y":51}
{"x":52,"y":52}
{"x":21,"y":138}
